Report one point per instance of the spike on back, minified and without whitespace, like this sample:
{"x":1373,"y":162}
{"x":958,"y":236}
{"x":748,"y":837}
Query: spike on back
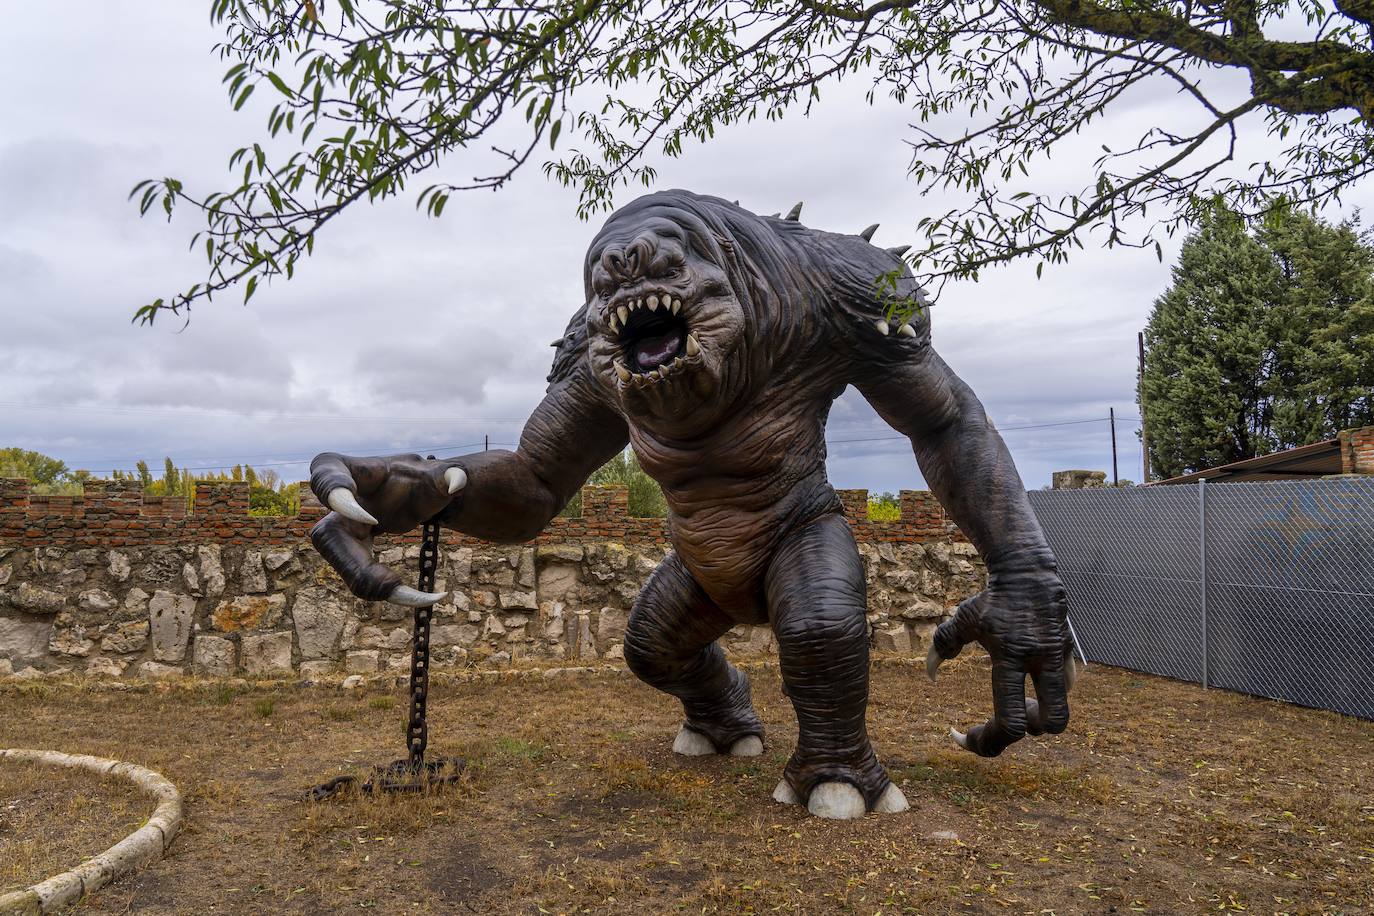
{"x":867,"y":234}
{"x":899,"y":250}
{"x":794,"y":215}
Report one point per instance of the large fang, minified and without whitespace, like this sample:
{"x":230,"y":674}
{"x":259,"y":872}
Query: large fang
{"x":677,"y":306}
{"x":621,"y":371}
{"x":653,"y":303}
{"x":345,"y":503}
{"x":623,"y":313}
{"x":693,"y":348}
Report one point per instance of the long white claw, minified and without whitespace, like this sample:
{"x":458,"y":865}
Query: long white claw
{"x":960,"y":738}
{"x":837,"y":801}
{"x":907,"y":330}
{"x":410,"y":597}
{"x":456,"y":478}
{"x":784,"y":794}
{"x":881,"y":327}
{"x":748,"y":746}
{"x":345,"y":503}
{"x":1071,"y":673}
{"x":692,"y":744}
{"x":933,"y":660}
{"x":892,"y":801}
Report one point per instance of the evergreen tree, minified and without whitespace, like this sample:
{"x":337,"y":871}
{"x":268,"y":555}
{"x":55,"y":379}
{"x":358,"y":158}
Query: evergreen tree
{"x":645,"y":496}
{"x":1204,"y":387}
{"x":145,"y":476}
{"x":1322,"y":375}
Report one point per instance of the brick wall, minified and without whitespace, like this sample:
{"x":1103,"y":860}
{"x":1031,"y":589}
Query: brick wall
{"x":117,"y":514}
{"x":1357,"y":450}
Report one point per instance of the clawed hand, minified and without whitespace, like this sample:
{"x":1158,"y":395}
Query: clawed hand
{"x":1023,"y":626}
{"x":390,"y":495}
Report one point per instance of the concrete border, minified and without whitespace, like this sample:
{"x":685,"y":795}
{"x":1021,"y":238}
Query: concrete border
{"x":142,"y":847}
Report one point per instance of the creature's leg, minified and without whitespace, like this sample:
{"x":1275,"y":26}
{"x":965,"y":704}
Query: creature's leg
{"x":670,"y":643}
{"x":817,"y":598}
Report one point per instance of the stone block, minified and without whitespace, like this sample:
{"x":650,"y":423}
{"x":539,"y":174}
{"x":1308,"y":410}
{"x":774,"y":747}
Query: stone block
{"x":362,"y":661}
{"x":170,"y":618}
{"x":319,"y":621}
{"x":276,"y":559}
{"x":248,"y":612}
{"x":252,"y":576}
{"x":892,"y":639}
{"x":96,"y":601}
{"x":522,"y":601}
{"x":29,"y":597}
{"x":106,"y":667}
{"x":152,"y":671}
{"x":211,"y":570}
{"x":212,"y":656}
{"x":126,"y":638}
{"x":266,"y":654}
{"x":119,"y":566}
{"x":610,"y":626}
{"x":24,"y":639}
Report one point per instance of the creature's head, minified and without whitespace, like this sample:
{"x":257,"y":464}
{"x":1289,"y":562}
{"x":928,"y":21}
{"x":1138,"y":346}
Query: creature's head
{"x":691,"y":299}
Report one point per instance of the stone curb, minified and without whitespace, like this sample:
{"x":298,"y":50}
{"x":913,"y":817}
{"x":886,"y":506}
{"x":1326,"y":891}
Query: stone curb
{"x":142,"y":847}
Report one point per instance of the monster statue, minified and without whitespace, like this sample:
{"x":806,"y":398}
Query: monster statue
{"x":714,"y":341}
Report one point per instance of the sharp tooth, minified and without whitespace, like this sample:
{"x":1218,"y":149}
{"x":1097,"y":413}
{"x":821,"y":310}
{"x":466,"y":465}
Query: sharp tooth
{"x":624,"y":314}
{"x":907,"y":330}
{"x":677,"y":362}
{"x":881,"y":325}
{"x":611,"y":321}
{"x":636,"y":304}
{"x":677,"y":306}
{"x":653,"y":303}
{"x":621,"y":371}
{"x":693,"y":348}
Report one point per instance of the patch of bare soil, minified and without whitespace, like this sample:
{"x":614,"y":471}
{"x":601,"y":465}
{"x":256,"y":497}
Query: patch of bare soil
{"x":1161,"y":798}
{"x":53,"y":818}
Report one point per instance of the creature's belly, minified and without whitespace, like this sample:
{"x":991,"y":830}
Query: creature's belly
{"x":728,"y":548}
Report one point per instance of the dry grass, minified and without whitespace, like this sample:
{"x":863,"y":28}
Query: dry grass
{"x":1161,"y":798}
{"x":52,"y":818}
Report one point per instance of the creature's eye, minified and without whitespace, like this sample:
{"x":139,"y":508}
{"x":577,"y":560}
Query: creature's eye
{"x":672,"y":273}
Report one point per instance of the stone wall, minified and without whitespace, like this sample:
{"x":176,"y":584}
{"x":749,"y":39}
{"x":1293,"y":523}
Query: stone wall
{"x":121,"y":587}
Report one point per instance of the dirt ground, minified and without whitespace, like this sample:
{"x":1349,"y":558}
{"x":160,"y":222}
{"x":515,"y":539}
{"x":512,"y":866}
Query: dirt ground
{"x":1161,"y":798}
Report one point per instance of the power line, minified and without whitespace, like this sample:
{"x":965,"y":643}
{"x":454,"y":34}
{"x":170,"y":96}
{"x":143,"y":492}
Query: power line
{"x":304,"y":458}
{"x":999,"y":429}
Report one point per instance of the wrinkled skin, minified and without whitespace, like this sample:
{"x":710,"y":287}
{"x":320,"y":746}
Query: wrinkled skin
{"x":723,"y":392}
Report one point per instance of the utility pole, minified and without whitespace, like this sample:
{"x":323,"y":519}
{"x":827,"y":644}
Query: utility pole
{"x":486,"y":442}
{"x":1140,"y":389}
{"x":1111,"y":416}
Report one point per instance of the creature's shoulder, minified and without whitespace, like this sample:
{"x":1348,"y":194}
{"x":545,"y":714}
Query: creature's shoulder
{"x":870,"y":290}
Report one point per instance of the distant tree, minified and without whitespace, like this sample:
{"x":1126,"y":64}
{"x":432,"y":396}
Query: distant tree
{"x":884,"y":507}
{"x":1204,"y":391}
{"x":1264,"y":340}
{"x":1322,"y":374}
{"x":37,"y":467}
{"x":145,"y":476}
{"x":171,"y":480}
{"x":645,"y":495}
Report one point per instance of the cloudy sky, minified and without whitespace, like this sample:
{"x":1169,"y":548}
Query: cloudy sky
{"x":409,"y":333}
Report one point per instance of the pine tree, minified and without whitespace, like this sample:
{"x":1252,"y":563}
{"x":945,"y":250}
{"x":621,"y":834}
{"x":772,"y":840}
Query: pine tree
{"x":1322,"y":379}
{"x":1204,"y":386}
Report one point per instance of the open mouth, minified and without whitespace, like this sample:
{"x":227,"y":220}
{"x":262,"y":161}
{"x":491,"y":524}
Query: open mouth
{"x":654,"y":336}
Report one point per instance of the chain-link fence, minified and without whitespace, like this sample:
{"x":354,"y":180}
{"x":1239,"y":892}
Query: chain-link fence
{"x":1265,"y":588}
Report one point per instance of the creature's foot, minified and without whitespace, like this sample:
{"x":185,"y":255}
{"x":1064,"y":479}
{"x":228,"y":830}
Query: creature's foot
{"x":841,"y":801}
{"x":691,"y":743}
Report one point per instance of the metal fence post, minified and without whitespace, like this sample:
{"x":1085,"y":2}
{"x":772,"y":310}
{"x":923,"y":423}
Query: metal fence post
{"x":1202,"y":551}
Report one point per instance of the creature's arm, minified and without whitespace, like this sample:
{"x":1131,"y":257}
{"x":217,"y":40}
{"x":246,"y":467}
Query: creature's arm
{"x":495,"y":495}
{"x":1020,"y":617}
